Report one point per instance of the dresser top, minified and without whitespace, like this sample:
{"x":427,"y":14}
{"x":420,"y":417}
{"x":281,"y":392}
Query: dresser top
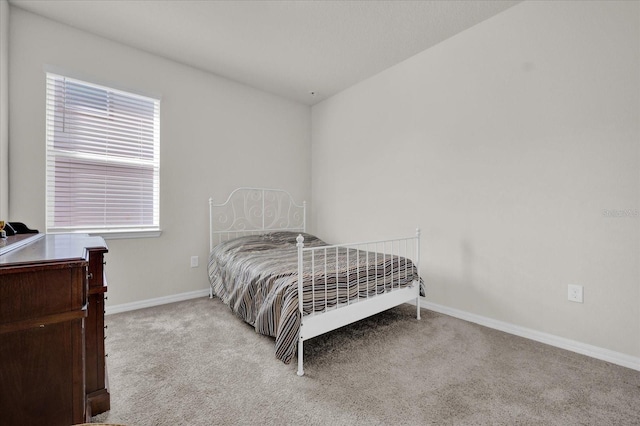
{"x":51,"y":248}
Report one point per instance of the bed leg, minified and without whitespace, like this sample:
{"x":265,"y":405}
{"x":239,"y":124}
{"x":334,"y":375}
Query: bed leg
{"x":210,"y":292}
{"x":300,"y":369}
{"x":418,"y":304}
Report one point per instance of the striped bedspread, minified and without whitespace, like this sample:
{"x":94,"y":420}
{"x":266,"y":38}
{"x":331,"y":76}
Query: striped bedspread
{"x":257,"y":277}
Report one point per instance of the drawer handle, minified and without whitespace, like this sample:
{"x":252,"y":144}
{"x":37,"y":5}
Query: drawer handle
{"x":90,"y":276}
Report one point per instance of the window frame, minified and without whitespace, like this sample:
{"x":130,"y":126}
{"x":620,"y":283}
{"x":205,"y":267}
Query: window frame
{"x":149,"y":164}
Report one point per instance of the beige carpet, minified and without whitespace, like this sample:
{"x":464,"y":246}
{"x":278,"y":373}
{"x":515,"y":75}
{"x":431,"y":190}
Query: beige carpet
{"x":195,"y":363}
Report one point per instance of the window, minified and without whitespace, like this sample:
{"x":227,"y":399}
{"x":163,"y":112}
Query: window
{"x":103,"y":159}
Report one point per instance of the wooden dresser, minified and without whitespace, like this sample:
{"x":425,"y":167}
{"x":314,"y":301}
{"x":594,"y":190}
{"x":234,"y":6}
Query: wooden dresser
{"x":52,"y":358}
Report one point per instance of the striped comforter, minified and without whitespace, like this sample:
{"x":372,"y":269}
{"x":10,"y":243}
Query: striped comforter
{"x":257,"y":277}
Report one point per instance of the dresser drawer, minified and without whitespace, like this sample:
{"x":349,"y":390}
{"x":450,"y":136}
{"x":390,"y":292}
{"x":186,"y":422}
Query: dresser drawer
{"x":41,"y":376}
{"x":42,"y":292}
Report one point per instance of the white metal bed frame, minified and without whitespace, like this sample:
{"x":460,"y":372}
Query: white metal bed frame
{"x":251,"y":211}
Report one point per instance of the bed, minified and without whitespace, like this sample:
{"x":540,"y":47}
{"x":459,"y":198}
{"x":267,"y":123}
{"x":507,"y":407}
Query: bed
{"x":292,"y":285}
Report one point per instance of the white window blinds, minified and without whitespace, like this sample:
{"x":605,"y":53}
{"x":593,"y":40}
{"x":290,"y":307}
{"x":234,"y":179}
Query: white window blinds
{"x":103,"y":158}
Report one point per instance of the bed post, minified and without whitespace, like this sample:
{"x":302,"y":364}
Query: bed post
{"x":210,"y":223}
{"x":417,"y":261}
{"x":304,"y":216}
{"x":300,"y":245}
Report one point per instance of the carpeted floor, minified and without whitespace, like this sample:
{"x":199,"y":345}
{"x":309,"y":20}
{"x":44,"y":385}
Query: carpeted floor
{"x":195,"y":363}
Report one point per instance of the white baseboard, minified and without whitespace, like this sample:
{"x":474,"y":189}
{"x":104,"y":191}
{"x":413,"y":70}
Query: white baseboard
{"x":549,"y":339}
{"x":124,"y":307}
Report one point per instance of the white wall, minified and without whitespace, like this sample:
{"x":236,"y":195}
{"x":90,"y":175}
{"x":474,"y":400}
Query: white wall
{"x":215,"y":135}
{"x":4,"y":109}
{"x":506,"y":144}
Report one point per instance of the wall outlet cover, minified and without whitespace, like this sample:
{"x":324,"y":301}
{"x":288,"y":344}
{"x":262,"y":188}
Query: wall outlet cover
{"x":576,"y":293}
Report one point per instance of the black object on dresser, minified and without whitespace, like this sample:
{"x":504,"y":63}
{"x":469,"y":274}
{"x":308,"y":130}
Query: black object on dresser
{"x":52,"y":360}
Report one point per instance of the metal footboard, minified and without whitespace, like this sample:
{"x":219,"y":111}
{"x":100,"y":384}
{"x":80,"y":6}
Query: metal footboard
{"x":378,"y":285}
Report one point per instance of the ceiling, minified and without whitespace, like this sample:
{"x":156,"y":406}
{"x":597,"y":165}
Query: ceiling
{"x":301,"y":50}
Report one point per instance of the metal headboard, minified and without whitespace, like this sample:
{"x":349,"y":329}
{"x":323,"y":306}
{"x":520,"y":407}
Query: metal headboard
{"x":250,"y":211}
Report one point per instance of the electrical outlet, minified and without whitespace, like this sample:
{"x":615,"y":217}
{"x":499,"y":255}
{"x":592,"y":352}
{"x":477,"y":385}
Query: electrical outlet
{"x":194,"y":261}
{"x":575,"y":293}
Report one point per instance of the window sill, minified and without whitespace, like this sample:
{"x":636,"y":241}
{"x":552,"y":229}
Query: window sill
{"x":121,"y":235}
